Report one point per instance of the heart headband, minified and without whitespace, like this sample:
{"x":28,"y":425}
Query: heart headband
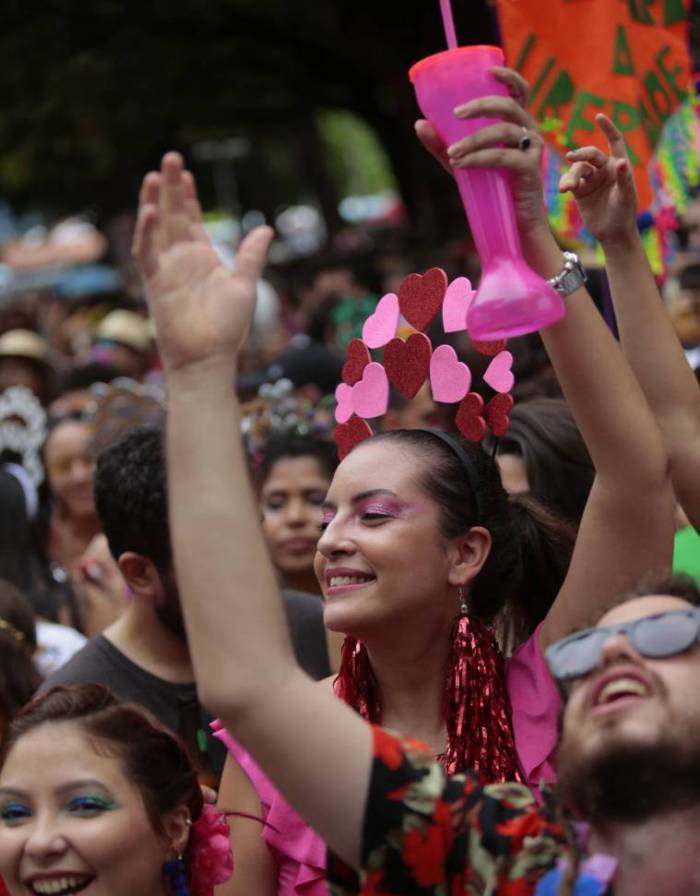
{"x":363,"y":393}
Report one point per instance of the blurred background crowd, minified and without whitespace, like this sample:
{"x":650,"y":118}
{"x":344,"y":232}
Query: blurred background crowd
{"x":293,"y":114}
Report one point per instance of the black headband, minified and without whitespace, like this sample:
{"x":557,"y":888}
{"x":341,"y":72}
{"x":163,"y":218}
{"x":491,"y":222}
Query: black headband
{"x":467,"y":465}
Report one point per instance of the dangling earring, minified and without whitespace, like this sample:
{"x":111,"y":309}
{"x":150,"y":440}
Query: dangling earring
{"x":463,"y":606}
{"x":355,"y":683}
{"x":175,"y":873}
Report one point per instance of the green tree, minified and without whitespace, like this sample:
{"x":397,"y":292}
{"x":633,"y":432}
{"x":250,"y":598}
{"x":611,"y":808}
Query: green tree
{"x":93,"y":93}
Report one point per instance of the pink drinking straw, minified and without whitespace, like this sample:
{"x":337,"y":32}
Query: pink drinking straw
{"x":448,"y":23}
{"x":511,"y":298}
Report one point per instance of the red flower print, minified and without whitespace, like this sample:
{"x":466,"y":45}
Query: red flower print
{"x":523,"y":886}
{"x":442,"y":816}
{"x":388,"y":749}
{"x":424,"y":851}
{"x":374,"y":884}
{"x":528,"y":824}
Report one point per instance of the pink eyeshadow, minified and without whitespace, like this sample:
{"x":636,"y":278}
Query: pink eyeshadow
{"x":389,"y":507}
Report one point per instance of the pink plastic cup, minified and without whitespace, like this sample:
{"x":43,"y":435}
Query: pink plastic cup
{"x":511,"y":298}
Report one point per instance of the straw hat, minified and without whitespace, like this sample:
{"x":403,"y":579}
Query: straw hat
{"x":128,"y":328}
{"x":24,"y":344}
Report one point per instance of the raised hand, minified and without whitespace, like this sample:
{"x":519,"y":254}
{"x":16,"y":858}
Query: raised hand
{"x":603,"y":186}
{"x":202,"y":311}
{"x":499,"y":146}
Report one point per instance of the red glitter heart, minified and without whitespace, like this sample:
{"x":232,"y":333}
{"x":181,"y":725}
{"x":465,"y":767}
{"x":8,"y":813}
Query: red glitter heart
{"x":496,"y":413}
{"x":349,"y":434}
{"x":489,"y":348}
{"x":421,"y":295}
{"x":407,"y":363}
{"x":358,"y":357}
{"x":470,"y":417}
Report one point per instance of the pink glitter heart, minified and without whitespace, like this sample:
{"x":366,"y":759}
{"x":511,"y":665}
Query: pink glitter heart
{"x":456,"y":304}
{"x":343,"y":408}
{"x":499,"y":374}
{"x":370,"y":397}
{"x":380,"y":326}
{"x":450,"y":379}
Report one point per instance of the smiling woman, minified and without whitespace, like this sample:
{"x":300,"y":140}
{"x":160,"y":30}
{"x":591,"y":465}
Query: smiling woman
{"x":67,"y":520}
{"x":98,"y":798}
{"x":293,"y":479}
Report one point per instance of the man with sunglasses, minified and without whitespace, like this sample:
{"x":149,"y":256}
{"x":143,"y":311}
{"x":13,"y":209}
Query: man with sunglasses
{"x":629,"y":757}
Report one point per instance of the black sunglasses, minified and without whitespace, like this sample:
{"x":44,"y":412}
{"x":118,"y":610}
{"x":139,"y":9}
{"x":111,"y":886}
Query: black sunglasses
{"x":654,"y":637}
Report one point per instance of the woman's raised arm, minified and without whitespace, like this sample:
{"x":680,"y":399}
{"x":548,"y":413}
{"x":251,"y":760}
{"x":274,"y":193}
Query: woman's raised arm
{"x":627,"y":527}
{"x":316,"y":749}
{"x":604,"y":190}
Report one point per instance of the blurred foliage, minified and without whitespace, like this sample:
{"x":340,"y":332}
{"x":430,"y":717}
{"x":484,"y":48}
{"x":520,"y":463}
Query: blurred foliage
{"x":93,"y":93}
{"x":356,"y":160}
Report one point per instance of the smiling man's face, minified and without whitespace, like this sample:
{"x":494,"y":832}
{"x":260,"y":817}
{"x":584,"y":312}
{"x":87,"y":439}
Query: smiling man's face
{"x":631,"y":739}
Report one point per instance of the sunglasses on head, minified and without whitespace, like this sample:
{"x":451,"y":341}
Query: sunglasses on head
{"x":654,"y":637}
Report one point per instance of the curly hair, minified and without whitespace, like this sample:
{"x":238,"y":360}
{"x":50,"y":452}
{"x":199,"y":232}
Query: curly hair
{"x":282,"y":445}
{"x":131,"y":496}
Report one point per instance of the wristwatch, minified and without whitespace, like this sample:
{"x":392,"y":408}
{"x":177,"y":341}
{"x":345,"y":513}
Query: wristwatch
{"x":573,"y":275}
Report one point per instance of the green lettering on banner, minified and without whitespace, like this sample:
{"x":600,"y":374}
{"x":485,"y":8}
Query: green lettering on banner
{"x":674,"y":11}
{"x":626,"y":118}
{"x":540,"y":79}
{"x":671,"y":74}
{"x":623,"y":63}
{"x":649,"y":126}
{"x":656,"y":89}
{"x":560,"y":93}
{"x":577,"y":121}
{"x":528,"y":44}
{"x":639,"y":11}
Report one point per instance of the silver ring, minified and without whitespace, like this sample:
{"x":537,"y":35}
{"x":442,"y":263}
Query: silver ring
{"x":525,"y":141}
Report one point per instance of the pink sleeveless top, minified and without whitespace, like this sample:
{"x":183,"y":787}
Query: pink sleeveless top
{"x":301,"y":854}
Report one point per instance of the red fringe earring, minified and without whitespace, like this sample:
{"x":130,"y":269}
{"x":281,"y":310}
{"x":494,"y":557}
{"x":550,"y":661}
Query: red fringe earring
{"x":356,"y":683}
{"x":475,"y":704}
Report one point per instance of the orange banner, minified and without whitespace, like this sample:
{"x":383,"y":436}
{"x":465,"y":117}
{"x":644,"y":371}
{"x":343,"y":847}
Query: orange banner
{"x":626,"y":58}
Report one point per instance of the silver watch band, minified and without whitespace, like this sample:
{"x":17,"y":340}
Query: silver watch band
{"x":571,"y":277}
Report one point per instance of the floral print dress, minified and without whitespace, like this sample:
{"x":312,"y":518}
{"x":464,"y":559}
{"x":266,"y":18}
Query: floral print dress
{"x":427,"y":834}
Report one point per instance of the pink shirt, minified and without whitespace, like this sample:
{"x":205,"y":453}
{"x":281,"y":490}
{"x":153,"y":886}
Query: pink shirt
{"x":301,"y":854}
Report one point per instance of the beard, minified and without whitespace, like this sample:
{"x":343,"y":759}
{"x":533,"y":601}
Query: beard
{"x":627,"y":783}
{"x":169,"y":612}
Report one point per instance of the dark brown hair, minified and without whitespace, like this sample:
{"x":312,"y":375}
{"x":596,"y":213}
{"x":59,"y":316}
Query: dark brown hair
{"x":290,"y":444}
{"x":559,"y":469}
{"x":530,"y":548}
{"x":19,"y":677}
{"x":152,"y":757}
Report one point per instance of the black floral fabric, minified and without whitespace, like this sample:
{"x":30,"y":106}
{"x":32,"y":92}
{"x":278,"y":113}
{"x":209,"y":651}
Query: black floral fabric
{"x":429,"y":834}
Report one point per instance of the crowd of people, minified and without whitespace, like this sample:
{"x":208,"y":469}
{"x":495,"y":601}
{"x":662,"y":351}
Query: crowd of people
{"x":233,"y":663}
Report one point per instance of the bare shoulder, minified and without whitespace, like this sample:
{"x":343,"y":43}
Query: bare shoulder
{"x":327,"y":683}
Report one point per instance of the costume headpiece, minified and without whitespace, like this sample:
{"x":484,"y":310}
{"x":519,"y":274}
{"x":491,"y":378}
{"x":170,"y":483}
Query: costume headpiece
{"x":120,"y":406}
{"x":209,"y":857}
{"x":407,"y":362}
{"x":23,"y":429}
{"x":277,"y":409}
